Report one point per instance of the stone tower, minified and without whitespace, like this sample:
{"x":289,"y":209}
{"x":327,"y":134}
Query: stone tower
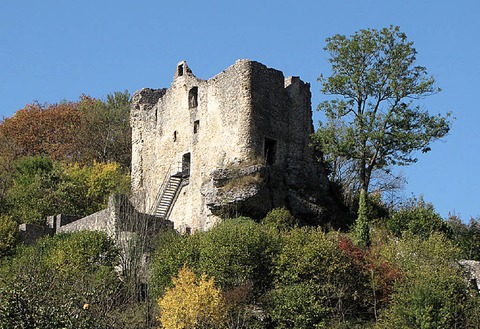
{"x":235,"y":144}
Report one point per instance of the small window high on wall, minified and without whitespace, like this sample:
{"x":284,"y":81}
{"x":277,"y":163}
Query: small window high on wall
{"x":270,"y":151}
{"x":193,"y":97}
{"x":180,"y":70}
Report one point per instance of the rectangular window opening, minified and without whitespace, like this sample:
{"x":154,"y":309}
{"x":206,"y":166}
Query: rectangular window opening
{"x":196,"y":126}
{"x":186,"y":165}
{"x":270,"y":151}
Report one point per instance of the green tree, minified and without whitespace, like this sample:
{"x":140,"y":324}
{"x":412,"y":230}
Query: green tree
{"x":42,"y":188}
{"x":361,"y":229}
{"x":417,"y":217}
{"x":104,"y":134}
{"x":374,"y":120}
{"x":466,"y":236}
{"x":85,"y":189}
{"x":32,"y":195}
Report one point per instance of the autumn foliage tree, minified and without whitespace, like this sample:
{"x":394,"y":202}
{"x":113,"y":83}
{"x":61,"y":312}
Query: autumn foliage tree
{"x":41,"y":129}
{"x":83,"y":131}
{"x":192,"y":303}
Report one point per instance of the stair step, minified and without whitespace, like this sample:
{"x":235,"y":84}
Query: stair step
{"x":167,"y":196}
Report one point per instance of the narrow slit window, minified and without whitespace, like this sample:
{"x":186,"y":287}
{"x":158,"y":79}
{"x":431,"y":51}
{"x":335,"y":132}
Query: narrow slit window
{"x":196,"y":126}
{"x":175,"y":136}
{"x":193,"y":97}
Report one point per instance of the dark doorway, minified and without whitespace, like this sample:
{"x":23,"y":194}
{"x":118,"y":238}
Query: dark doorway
{"x":270,"y":151}
{"x":186,"y":165}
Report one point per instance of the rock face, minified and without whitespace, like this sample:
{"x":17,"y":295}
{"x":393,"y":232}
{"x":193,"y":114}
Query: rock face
{"x":239,"y":141}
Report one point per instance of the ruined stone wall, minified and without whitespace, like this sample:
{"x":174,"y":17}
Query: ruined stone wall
{"x":214,"y":130}
{"x":246,"y":115}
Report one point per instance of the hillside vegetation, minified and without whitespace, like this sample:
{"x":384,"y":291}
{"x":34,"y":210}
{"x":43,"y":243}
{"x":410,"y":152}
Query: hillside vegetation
{"x":395,"y":266}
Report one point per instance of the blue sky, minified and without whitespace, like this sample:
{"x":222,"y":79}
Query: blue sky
{"x":55,"y":50}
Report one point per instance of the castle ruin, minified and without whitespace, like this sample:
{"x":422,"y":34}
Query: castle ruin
{"x":235,"y":144}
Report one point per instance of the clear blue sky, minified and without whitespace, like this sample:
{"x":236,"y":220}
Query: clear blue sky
{"x":54,"y":50}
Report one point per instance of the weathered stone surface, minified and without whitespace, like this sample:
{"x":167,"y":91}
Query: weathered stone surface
{"x":116,"y":220}
{"x":248,"y":117}
{"x":472,"y":269}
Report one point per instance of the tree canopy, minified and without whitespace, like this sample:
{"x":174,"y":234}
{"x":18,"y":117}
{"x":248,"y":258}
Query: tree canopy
{"x":373,"y":119}
{"x":84,"y":131}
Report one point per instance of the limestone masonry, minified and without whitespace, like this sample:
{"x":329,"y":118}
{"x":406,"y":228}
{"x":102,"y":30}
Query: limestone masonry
{"x":236,"y":144}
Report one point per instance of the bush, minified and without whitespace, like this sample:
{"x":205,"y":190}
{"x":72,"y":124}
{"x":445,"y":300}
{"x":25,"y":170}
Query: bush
{"x":192,"y":303}
{"x":281,"y":219}
{"x":237,"y":252}
{"x":417,"y":217}
{"x":433,"y":293}
{"x":53,"y":279}
{"x":8,"y":234}
{"x":317,"y":283}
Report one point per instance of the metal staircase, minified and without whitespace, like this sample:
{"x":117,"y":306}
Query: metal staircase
{"x":167,"y":195}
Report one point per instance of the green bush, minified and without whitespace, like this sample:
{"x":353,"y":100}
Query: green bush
{"x":46,"y":285}
{"x":8,"y":234}
{"x":317,"y":284}
{"x":433,"y":293}
{"x":281,"y":219}
{"x":417,"y":217}
{"x":235,"y":252}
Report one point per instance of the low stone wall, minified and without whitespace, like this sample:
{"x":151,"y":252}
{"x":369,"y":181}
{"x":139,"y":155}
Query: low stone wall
{"x":118,"y":219}
{"x":99,"y":221}
{"x":57,"y":221}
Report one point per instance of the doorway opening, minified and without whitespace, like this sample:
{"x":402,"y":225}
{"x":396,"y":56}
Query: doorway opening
{"x":270,"y":151}
{"x":186,"y":165}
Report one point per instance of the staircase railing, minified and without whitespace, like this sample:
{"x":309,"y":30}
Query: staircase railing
{"x":174,"y":199}
{"x":162,"y":188}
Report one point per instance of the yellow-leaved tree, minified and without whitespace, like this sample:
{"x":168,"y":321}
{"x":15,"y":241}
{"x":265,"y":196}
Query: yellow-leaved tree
{"x":192,"y":303}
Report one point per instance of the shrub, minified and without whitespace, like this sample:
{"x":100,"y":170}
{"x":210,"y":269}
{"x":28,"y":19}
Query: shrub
{"x":317,"y":283}
{"x":8,"y":234}
{"x":192,"y":303}
{"x":417,"y":217}
{"x":433,"y":293}
{"x":53,"y":279}
{"x":281,"y":219}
